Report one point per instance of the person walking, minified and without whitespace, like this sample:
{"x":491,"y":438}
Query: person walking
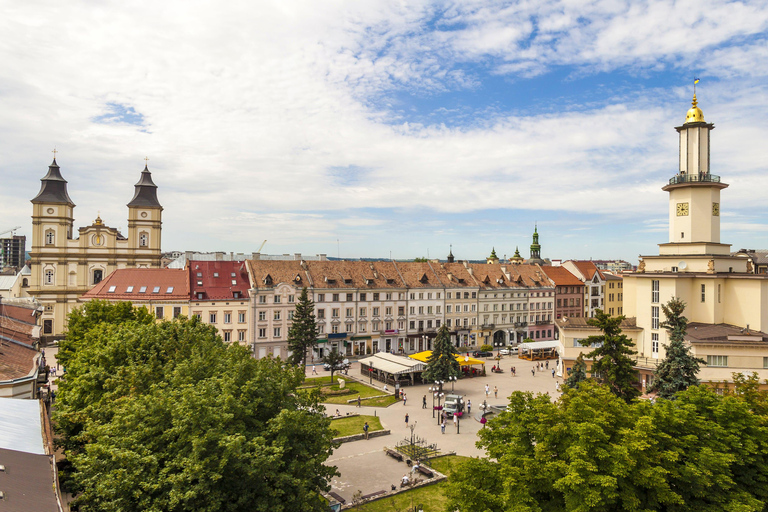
{"x":442,"y":426}
{"x":424,"y":402}
{"x":533,"y":372}
{"x":405,"y":398}
{"x":487,"y":390}
{"x":469,"y":406}
{"x":358,"y":401}
{"x":547,"y":365}
{"x":406,"y":419}
{"x":553,"y":373}
{"x":495,"y":392}
{"x":514,"y":371}
{"x":456,"y":420}
{"x":365,"y":430}
{"x":314,"y":370}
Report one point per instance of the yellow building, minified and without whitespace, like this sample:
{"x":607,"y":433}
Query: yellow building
{"x":64,"y":264}
{"x":614,"y":294}
{"x":726,"y":303}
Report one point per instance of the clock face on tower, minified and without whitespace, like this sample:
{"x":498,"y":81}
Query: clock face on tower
{"x":715,"y":209}
{"x":682,"y":209}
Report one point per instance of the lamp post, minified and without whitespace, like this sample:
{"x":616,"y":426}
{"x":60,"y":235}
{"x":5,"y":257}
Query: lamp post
{"x":452,"y":379}
{"x":439,"y":397}
{"x":433,"y":392}
{"x":458,"y":416}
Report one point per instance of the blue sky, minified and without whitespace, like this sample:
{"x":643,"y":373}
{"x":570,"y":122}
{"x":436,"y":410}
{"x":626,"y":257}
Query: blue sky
{"x":364,"y":129}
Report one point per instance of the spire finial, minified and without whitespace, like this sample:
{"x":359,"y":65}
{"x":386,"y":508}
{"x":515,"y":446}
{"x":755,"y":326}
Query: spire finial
{"x":146,"y":162}
{"x":54,"y":153}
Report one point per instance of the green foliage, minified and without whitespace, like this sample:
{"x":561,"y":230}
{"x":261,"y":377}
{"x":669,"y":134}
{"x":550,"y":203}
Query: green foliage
{"x":165,"y":416}
{"x":578,"y":373}
{"x":303,"y":332}
{"x":611,"y":358}
{"x":420,"y":260}
{"x":94,"y":313}
{"x":677,"y":371}
{"x":442,"y":362}
{"x":593,"y":451}
{"x":334,"y":359}
{"x":528,"y":340}
{"x":486,"y":348}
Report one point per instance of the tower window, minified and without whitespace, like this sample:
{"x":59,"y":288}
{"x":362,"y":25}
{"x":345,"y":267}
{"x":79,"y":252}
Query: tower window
{"x":143,"y":240}
{"x":49,"y":276}
{"x":49,"y":237}
{"x":98,"y":275}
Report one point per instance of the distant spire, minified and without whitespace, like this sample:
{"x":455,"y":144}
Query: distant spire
{"x":450,"y":254}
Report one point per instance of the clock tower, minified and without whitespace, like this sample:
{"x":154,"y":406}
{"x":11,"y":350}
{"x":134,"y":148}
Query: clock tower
{"x":694,"y":193}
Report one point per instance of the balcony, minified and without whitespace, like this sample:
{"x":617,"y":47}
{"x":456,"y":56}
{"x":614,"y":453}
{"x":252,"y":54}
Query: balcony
{"x":488,"y":326}
{"x":521,"y":324}
{"x":694,"y":178}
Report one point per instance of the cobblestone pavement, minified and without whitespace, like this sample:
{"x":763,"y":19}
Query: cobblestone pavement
{"x":363,"y":464}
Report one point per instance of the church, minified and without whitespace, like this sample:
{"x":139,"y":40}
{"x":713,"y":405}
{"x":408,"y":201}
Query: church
{"x":65,"y":264}
{"x":726,"y":302}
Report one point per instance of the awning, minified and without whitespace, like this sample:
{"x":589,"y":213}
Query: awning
{"x":361,"y":337}
{"x":538,"y":345}
{"x":463,"y":360}
{"x":390,"y":363}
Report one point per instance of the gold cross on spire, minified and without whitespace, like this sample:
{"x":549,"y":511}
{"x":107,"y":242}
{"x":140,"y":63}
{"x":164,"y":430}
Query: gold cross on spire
{"x":146,"y":159}
{"x":54,"y":153}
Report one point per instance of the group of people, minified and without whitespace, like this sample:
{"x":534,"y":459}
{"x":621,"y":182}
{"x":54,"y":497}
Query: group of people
{"x":541,"y":366}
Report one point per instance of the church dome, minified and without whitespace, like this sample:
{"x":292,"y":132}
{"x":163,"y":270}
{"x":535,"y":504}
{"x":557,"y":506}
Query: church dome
{"x":694,"y":115}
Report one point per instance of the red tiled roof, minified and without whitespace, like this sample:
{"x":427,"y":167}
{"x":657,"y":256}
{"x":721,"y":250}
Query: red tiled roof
{"x":17,"y":355}
{"x":561,"y":276}
{"x":158,"y":283}
{"x":281,"y":271}
{"x":218,"y":280}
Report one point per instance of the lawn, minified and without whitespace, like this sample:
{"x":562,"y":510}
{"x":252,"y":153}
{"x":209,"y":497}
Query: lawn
{"x":430,"y":497}
{"x":317,"y":381}
{"x":354,"y":425}
{"x":356,"y":388}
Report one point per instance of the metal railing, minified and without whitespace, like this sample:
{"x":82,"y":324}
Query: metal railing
{"x":694,"y":178}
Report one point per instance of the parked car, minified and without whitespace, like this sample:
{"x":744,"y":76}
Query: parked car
{"x":508,"y":351}
{"x":478,"y":353}
{"x":339,"y":366}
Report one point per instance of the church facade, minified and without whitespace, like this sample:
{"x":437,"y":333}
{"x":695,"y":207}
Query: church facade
{"x":66,"y":263}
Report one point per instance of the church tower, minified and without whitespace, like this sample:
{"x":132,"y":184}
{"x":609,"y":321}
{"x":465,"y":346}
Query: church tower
{"x":536,"y":248}
{"x":52,"y":225}
{"x":145,"y":219}
{"x":694,"y":193}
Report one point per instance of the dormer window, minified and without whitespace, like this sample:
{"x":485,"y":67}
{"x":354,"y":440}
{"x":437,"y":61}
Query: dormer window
{"x":215,"y":274}
{"x":112,"y":289}
{"x":236,"y":295}
{"x":200,"y":296}
{"x":347,"y":281}
{"x":424,"y":278}
{"x":143,"y":289}
{"x":129,"y":289}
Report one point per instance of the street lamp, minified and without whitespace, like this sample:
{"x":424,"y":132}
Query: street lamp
{"x":433,"y":392}
{"x":452,"y":379}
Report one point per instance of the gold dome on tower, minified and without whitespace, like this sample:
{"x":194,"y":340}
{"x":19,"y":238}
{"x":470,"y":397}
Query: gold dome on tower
{"x":694,"y":115}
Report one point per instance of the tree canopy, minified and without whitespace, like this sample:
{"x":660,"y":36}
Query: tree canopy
{"x":592,"y":451}
{"x":577,"y":374}
{"x":677,"y":371}
{"x":611,"y":361}
{"x":167,"y":417}
{"x":442,"y":362}
{"x":303,"y":332}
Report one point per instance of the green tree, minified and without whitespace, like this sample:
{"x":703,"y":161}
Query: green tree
{"x":442,"y":363}
{"x":578,"y":373}
{"x":420,"y":260}
{"x":677,"y":371}
{"x":592,"y":451}
{"x":92,"y":314}
{"x":170,"y":418}
{"x":611,"y":360}
{"x":334,"y":360}
{"x":302,"y":335}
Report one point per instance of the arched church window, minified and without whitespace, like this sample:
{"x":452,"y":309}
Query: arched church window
{"x":98,"y":275}
{"x":49,"y":237}
{"x":49,"y":276}
{"x":24,"y":283}
{"x":143,"y":240}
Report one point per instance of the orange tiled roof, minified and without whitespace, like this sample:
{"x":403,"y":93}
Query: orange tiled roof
{"x":269,"y":273}
{"x":561,"y":276}
{"x":418,"y":274}
{"x":165,"y":284}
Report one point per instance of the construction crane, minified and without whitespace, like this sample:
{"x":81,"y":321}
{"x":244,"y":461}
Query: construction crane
{"x":12,"y":231}
{"x":262,"y":246}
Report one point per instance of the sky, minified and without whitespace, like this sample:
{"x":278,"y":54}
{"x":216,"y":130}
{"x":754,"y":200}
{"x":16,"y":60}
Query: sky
{"x":377,"y":129}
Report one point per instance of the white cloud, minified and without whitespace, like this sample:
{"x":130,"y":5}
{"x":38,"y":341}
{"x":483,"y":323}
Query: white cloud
{"x":248,"y":109}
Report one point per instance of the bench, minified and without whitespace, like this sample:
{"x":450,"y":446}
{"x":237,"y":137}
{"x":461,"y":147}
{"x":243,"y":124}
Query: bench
{"x":373,"y":495}
{"x":337,"y":497}
{"x":424,"y":471}
{"x":395,"y":455}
